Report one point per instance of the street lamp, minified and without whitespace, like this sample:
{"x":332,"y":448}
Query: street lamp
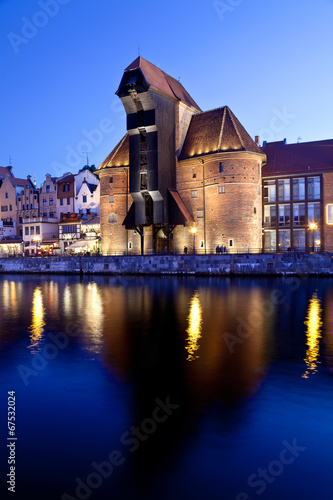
{"x":194,"y":232}
{"x":313,"y":227}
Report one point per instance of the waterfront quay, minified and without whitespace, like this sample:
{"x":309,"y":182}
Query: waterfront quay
{"x":224,"y":264}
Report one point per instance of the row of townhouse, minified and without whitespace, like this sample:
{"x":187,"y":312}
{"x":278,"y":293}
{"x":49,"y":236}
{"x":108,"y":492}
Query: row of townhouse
{"x":63,"y":214}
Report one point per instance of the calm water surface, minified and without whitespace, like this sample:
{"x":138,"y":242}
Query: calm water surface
{"x":246,"y":365}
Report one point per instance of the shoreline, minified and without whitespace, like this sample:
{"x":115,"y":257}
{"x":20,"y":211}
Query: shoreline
{"x":175,"y":265}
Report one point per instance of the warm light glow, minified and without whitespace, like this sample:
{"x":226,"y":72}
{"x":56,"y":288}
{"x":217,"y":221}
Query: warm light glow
{"x":313,"y":226}
{"x":38,"y":323}
{"x":194,"y":327}
{"x":313,"y":333}
{"x":193,"y":230}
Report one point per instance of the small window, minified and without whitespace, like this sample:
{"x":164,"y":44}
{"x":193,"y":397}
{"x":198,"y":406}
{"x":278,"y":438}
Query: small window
{"x":221,"y":189}
{"x":68,"y":201}
{"x":26,"y":231}
{"x":6,"y":195}
{"x":194,"y":172}
{"x":199,"y":214}
{"x":47,"y":189}
{"x":254,"y":210}
{"x":84,"y":198}
{"x":32,"y":230}
{"x":130,"y":245}
{"x":143,"y":181}
{"x":10,"y":207}
{"x":231,"y":243}
{"x":44,"y":214}
{"x":111,"y":198}
{"x":202,"y":244}
{"x":111,"y":180}
{"x":23,"y":207}
{"x":112,"y":218}
{"x":37,"y":229}
{"x":65,"y":187}
{"x":51,"y":201}
{"x":221,"y":168}
{"x":61,"y":201}
{"x":194,"y":194}
{"x":51,"y":215}
{"x":31,"y":206}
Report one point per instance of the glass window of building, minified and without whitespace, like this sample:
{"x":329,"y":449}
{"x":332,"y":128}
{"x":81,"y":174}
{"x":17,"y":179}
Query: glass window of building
{"x":299,"y":189}
{"x":269,"y":191}
{"x":269,"y":215}
{"x":284,"y":190}
{"x":313,"y":213}
{"x":284,"y":239}
{"x":299,"y":214}
{"x":314,"y":188}
{"x":37,"y":229}
{"x":270,"y":240}
{"x":299,"y":239}
{"x":284,"y":215}
{"x":194,"y":194}
{"x":32,"y":230}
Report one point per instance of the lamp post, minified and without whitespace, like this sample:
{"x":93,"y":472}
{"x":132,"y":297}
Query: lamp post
{"x":194,"y":232}
{"x":313,"y":227}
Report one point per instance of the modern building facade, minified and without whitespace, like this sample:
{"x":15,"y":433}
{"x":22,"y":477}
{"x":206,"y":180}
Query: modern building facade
{"x":298,"y":196}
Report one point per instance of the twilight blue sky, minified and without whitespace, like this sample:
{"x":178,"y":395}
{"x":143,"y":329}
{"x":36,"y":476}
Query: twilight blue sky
{"x":269,"y":61}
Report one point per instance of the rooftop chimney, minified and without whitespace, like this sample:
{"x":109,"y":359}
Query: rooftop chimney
{"x":256,"y":140}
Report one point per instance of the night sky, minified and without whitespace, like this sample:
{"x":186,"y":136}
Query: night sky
{"x":62,"y":61}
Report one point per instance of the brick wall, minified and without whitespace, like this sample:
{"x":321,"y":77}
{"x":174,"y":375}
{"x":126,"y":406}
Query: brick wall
{"x":234,"y":214}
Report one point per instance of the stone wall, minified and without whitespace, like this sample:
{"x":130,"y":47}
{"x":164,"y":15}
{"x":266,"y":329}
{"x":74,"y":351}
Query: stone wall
{"x":225,"y":264}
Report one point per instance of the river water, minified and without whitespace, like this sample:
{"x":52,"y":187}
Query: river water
{"x":168,"y":388}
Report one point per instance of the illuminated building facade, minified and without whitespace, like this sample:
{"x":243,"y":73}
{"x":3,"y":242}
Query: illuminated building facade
{"x":180,"y":177}
{"x":298,"y":196}
{"x":184,"y":180}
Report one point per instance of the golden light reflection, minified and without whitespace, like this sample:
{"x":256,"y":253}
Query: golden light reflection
{"x":313,"y":333}
{"x":194,"y":327}
{"x":37,"y":326}
{"x":94,"y":317}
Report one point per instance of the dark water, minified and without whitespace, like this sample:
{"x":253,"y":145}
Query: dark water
{"x":194,"y":388}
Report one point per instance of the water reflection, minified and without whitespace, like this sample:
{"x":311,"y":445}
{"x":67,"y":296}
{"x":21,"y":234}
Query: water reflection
{"x":313,"y":333}
{"x":94,"y":316}
{"x":37,"y":326}
{"x":194,"y":327}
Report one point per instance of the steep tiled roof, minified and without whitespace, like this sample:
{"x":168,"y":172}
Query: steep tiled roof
{"x":68,"y":178}
{"x":119,"y":156}
{"x":155,"y":77}
{"x":304,"y":157}
{"x":4,"y":171}
{"x":216,"y":131}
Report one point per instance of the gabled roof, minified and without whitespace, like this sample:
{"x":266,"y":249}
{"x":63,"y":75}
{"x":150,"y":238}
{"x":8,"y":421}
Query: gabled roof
{"x":160,"y":80}
{"x":297,"y":158}
{"x":68,"y":178}
{"x":119,"y":156}
{"x":216,"y":131}
{"x":6,"y":170}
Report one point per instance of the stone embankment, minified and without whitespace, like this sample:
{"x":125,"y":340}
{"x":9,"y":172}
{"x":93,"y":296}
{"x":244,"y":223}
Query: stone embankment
{"x":225,"y":264}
